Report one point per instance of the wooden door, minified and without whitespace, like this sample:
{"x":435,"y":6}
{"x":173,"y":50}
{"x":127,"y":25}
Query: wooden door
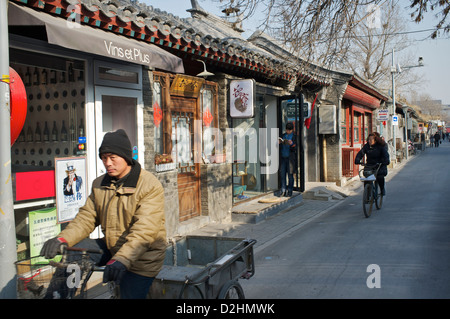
{"x":185,"y":143}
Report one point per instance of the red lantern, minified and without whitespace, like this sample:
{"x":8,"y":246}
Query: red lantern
{"x":18,"y":102}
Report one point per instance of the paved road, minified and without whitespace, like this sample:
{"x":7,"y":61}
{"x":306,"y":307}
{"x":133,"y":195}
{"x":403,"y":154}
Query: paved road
{"x":408,"y":239}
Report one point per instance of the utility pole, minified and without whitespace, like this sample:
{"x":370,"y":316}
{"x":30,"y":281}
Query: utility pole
{"x":8,"y":254}
{"x":393,"y":71}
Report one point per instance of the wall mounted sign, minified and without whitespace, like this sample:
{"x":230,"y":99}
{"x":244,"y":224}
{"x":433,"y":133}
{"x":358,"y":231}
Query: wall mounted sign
{"x":185,"y":85}
{"x":242,"y":98}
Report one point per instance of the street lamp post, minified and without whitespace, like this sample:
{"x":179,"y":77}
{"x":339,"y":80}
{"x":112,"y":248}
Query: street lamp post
{"x":394,"y":70}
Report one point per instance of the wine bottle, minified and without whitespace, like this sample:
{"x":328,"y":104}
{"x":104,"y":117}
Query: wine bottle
{"x":37,"y":133}
{"x":29,"y":134}
{"x":46,"y":133}
{"x":22,"y":136}
{"x":62,"y":78}
{"x":54,"y":132}
{"x":44,"y":79}
{"x":36,"y":77}
{"x":53,"y":76}
{"x":72,"y":131}
{"x":71,"y":73}
{"x":28,"y":77}
{"x":81,"y":129}
{"x":63,"y":132}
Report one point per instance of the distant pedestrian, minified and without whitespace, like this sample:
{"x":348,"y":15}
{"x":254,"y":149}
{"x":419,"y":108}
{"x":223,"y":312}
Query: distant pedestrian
{"x":437,"y":137}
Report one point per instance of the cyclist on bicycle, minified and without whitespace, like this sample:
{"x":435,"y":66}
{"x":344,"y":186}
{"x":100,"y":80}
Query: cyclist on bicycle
{"x":376,"y":152}
{"x":128,"y":203}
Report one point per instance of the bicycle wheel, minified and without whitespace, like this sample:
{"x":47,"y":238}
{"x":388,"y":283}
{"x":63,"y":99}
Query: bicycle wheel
{"x":231,"y":290}
{"x":368,"y":200}
{"x":378,"y":196}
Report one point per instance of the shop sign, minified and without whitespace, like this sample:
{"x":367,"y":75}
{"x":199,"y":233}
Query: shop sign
{"x":383,"y":115}
{"x":71,"y":190}
{"x":185,"y":85}
{"x":242,"y":98}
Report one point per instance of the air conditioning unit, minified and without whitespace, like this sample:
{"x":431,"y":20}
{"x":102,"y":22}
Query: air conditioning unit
{"x":327,"y":119}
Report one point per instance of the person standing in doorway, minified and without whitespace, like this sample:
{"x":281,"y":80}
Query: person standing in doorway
{"x":288,"y":165}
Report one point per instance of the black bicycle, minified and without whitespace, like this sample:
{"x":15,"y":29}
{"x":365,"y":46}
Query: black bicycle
{"x":37,"y":274}
{"x":372,"y":192}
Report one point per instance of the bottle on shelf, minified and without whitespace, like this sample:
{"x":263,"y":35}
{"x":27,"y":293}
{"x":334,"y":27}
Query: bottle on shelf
{"x":36,"y":80}
{"x":22,"y":136}
{"x":62,"y":78}
{"x":29,"y":134}
{"x":81,"y":128}
{"x":28,"y":77}
{"x":53,"y":77}
{"x":54,"y":132}
{"x":44,"y":78}
{"x":72,"y":131}
{"x":71,"y":73}
{"x":46,"y":133}
{"x":37,"y":133}
{"x":64,"y":134}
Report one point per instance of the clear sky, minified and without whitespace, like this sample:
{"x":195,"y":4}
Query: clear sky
{"x":436,"y":53}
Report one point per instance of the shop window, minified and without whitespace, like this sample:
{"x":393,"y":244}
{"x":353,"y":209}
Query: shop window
{"x":357,"y":128}
{"x":211,"y":143}
{"x":54,"y":125}
{"x":344,"y":121}
{"x":115,"y":74}
{"x":367,"y":125}
{"x":157,"y":117}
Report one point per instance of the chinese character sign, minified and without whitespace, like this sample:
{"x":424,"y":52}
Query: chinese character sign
{"x":70,"y":175}
{"x":242,"y":96}
{"x":42,"y":226}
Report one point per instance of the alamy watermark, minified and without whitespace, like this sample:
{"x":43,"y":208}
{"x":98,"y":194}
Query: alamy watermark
{"x":236,"y":144}
{"x":374,"y":279}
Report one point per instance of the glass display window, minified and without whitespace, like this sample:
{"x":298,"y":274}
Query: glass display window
{"x":55,"y":121}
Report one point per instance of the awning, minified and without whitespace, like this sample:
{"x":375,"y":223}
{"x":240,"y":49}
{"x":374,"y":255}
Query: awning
{"x":356,"y":95}
{"x":88,"y":39}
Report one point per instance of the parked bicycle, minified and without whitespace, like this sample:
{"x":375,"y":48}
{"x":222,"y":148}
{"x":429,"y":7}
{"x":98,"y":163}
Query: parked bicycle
{"x":35,"y":275}
{"x":372,"y":192}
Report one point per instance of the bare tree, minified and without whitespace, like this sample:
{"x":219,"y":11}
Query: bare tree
{"x":320,"y":30}
{"x":372,"y":42}
{"x":428,"y":106}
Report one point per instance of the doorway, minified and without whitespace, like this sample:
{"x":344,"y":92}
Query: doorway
{"x":186,"y":144}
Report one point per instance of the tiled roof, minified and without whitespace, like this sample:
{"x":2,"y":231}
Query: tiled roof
{"x":203,"y":35}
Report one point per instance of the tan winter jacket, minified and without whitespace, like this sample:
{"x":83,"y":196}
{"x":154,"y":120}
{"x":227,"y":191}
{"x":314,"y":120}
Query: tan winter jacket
{"x":131,"y":218}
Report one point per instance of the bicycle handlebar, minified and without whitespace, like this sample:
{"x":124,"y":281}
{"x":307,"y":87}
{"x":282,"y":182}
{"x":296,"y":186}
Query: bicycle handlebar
{"x":85,"y":250}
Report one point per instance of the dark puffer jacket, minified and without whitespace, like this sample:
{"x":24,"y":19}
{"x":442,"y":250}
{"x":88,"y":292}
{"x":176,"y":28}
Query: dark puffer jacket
{"x":374,"y":154}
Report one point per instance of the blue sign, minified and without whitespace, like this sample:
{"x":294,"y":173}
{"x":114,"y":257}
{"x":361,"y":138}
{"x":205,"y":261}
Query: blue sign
{"x":82,"y":140}
{"x":394,"y":120}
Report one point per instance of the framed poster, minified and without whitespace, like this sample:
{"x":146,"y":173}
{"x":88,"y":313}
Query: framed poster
{"x":71,"y":190}
{"x":242,"y":98}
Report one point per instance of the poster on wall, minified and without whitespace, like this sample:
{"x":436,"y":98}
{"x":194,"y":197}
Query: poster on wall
{"x":242,"y":98}
{"x":71,"y":190}
{"x":42,"y":226}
